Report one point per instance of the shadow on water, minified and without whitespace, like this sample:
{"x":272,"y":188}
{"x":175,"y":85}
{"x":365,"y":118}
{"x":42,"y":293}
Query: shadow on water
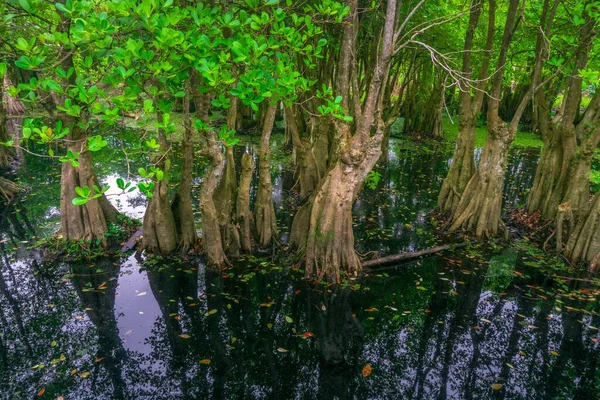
{"x":462,"y":326}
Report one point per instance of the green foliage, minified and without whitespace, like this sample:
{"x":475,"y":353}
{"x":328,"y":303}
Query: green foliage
{"x":372,"y":179}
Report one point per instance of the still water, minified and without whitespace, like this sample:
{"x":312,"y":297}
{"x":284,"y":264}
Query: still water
{"x":478,"y":324}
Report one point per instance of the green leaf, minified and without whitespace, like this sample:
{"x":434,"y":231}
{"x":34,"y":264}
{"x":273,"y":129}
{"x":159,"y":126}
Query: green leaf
{"x":79,"y":201}
{"x":25,"y":5}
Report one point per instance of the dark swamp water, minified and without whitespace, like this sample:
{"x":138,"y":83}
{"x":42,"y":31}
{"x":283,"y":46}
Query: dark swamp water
{"x":468,"y":325}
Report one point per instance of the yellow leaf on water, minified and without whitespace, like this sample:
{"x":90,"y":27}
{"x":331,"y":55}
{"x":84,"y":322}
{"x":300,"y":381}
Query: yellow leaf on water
{"x":497,"y":386}
{"x":41,"y":392}
{"x":205,"y":361}
{"x":184,"y":336}
{"x":554,"y":353}
{"x":366,"y":371}
{"x":282,"y":350}
{"x":289,"y":320}
{"x":84,"y":374}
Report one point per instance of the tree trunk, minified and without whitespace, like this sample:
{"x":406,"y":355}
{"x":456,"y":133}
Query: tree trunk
{"x":480,"y":206}
{"x":322,"y":228}
{"x":225,"y":194}
{"x":159,"y":230}
{"x":462,"y":167}
{"x":211,"y":232}
{"x":8,"y":189}
{"x":463,"y":163}
{"x":183,"y":212}
{"x":245,"y":218}
{"x":264,"y":209}
{"x":5,"y":157}
{"x":86,"y":222}
{"x":306,"y":173}
{"x":584,"y":242}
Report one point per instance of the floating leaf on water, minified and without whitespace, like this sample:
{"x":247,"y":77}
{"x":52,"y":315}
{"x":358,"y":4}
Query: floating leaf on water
{"x":282,"y":350}
{"x":372,"y":309}
{"x":366,"y":371}
{"x":53,"y":343}
{"x":205,"y":361}
{"x":421,"y":288}
{"x":323,"y":308}
{"x":142,"y":293}
{"x":184,"y":336}
{"x":269,"y":325}
{"x":41,"y":392}
{"x":99,"y":359}
{"x":554,"y":353}
{"x":497,"y":386}
{"x":73,"y":371}
{"x":289,"y":320}
{"x":129,"y":332}
{"x":84,"y":375}
{"x":509,"y":365}
{"x":486,"y":320}
{"x":307,"y":334}
{"x":211,"y":312}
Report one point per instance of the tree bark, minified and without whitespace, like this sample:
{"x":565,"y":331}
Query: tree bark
{"x":159,"y":229}
{"x":562,"y":161}
{"x":264,"y":209}
{"x":211,"y":231}
{"x":225,"y":194}
{"x":183,"y":212}
{"x":245,"y":219}
{"x":480,"y":206}
{"x":306,"y":173}
{"x":89,"y":221}
{"x":8,"y":189}
{"x":584,"y":242}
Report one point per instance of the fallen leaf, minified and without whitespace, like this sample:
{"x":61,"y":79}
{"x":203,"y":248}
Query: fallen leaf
{"x":371,"y":309}
{"x":497,"y":386}
{"x":84,"y":375}
{"x":282,"y":350}
{"x":307,"y":334}
{"x":366,"y":371}
{"x":41,"y":392}
{"x":142,"y":293}
{"x":289,"y":320}
{"x":184,"y":336}
{"x":205,"y":361}
{"x":554,"y":353}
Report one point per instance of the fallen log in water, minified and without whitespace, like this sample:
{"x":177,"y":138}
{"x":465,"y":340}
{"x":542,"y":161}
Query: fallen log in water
{"x":409,"y":256}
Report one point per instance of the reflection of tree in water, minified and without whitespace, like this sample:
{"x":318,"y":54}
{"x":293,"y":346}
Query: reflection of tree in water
{"x":339,"y":337}
{"x":97,"y":292}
